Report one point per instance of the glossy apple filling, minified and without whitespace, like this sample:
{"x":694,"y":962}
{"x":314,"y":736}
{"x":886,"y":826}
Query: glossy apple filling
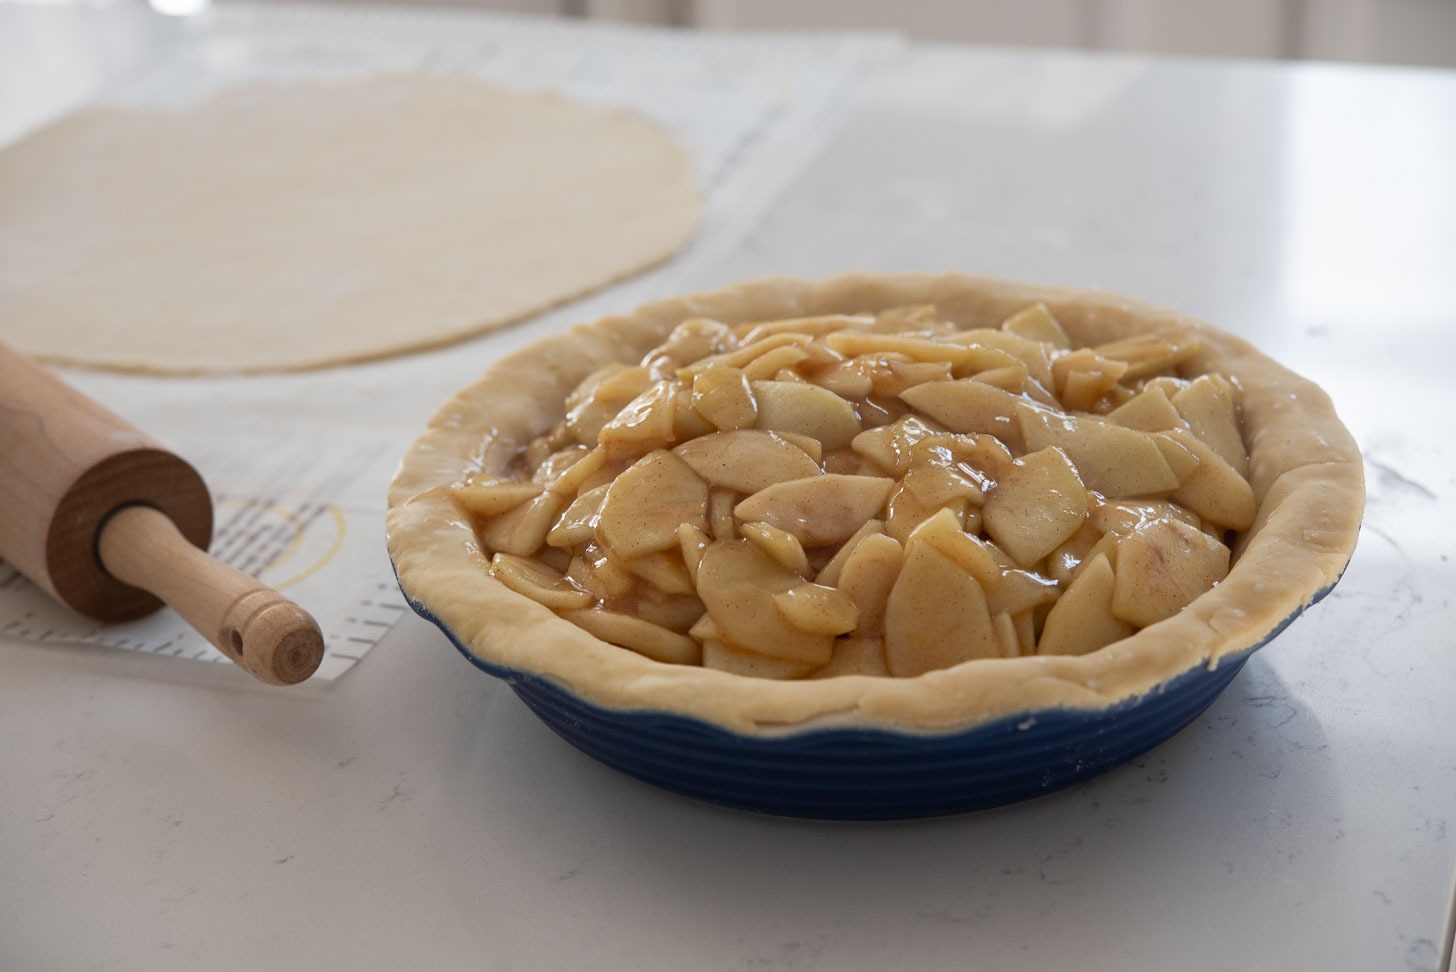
{"x":879,"y":494}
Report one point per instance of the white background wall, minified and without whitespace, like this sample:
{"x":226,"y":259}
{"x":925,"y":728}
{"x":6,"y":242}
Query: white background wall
{"x":1387,"y":31}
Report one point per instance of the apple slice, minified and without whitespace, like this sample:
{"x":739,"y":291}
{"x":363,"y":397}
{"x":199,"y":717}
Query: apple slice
{"x":970,"y":406}
{"x":1147,"y":411}
{"x":721,"y":522}
{"x":522,"y":530}
{"x":578,"y":523}
{"x":817,"y":609}
{"x":1097,"y":377}
{"x":890,"y":446}
{"x":896,"y":376}
{"x":644,"y":423}
{"x":645,"y":505}
{"x":812,"y":326}
{"x":868,"y":575}
{"x":693,"y":339}
{"x":722,"y":396}
{"x":1148,"y":354}
{"x":1209,"y":408}
{"x":737,"y":582}
{"x":943,"y":532}
{"x":935,"y":484}
{"x":852,"y":344}
{"x":778,"y":544}
{"x":1126,"y":516}
{"x":1162,"y":567}
{"x":797,"y":406}
{"x":855,"y":656}
{"x":592,"y":570}
{"x":904,"y":512}
{"x":1111,"y":460}
{"x":775,"y":362}
{"x":567,"y":471}
{"x":1034,"y":356}
{"x":1082,"y":620}
{"x":936,"y":616}
{"x":1036,"y":506}
{"x":820,"y":510}
{"x":598,"y":399}
{"x":743,"y":354}
{"x":663,"y":569}
{"x":746,"y":460}
{"x":1037,"y":323}
{"x":643,"y":637}
{"x":1063,"y":563}
{"x":1214,"y":489}
{"x":725,"y":658}
{"x":541,"y":584}
{"x":492,"y":497}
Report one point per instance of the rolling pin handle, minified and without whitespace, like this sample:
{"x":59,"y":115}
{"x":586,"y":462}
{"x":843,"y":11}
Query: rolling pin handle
{"x":262,"y":631}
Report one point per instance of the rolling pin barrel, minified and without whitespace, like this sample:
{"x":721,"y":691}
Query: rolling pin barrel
{"x":69,"y":468}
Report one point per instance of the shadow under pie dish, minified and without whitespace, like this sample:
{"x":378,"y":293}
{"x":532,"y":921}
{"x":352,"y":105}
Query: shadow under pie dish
{"x":993,"y":718}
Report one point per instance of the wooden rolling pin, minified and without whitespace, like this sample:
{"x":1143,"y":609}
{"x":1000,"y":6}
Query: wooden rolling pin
{"x":113,"y":525}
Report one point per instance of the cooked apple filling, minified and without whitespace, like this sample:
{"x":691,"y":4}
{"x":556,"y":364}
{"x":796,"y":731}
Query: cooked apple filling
{"x":884,"y":494}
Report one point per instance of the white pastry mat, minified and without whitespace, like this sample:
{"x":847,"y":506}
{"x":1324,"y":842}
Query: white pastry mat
{"x":300,"y":489}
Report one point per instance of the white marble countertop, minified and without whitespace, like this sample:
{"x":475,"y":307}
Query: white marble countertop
{"x":415,"y":814}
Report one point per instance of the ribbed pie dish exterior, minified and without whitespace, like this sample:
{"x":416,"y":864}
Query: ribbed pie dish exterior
{"x":981,"y":734}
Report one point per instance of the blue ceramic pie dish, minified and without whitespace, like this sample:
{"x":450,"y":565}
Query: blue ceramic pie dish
{"x":854,"y":773}
{"x":980,"y":734}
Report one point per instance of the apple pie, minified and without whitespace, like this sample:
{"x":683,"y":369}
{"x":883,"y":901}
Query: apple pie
{"x":921,"y":500}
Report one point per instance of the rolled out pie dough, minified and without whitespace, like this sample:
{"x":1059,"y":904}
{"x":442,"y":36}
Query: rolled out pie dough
{"x":280,"y":226}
